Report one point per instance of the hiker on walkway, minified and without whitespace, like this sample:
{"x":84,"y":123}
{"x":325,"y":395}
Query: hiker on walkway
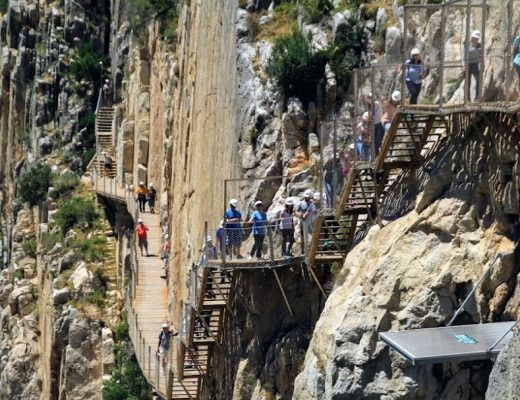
{"x":516,"y":57}
{"x":233,"y":228}
{"x":286,"y":225}
{"x":416,"y":71}
{"x":363,"y":144}
{"x":107,"y":92}
{"x":259,"y":220}
{"x":165,"y":255}
{"x":107,"y":163}
{"x":377,"y":114}
{"x":472,"y":55}
{"x":142,"y":236}
{"x":209,"y":249}
{"x":151,"y":197}
{"x":308,"y":213}
{"x":141,"y":193}
{"x":164,"y":344}
{"x":390,"y":109}
{"x":222,"y":243}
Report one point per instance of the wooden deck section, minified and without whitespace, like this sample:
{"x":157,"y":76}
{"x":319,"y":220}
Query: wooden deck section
{"x":245,"y":263}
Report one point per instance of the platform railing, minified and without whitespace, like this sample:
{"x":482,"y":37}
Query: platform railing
{"x":111,"y":187}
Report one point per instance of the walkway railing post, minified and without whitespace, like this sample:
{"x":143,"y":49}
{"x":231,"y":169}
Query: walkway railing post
{"x":271,"y":245}
{"x":467,"y":83}
{"x":443,"y":45}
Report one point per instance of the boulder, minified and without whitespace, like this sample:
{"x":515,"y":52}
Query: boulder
{"x":60,"y":296}
{"x":21,"y":300}
{"x":504,"y":377}
{"x":81,"y":278}
{"x":242,"y":23}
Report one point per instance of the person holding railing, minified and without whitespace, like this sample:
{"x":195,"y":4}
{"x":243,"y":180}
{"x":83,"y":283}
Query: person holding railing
{"x":164,"y":345}
{"x":286,"y":225}
{"x":473,"y":54}
{"x":308,"y":213}
{"x":416,"y":71}
{"x":259,"y":221}
{"x":233,"y":228}
{"x":516,"y":56}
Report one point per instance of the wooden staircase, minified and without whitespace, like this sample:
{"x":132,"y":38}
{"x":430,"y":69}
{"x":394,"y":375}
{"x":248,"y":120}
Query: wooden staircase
{"x":407,"y":142}
{"x":104,"y":143}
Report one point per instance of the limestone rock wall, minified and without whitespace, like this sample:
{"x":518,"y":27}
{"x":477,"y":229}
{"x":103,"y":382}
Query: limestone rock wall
{"x":413,"y":272}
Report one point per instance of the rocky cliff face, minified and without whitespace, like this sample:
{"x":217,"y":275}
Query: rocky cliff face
{"x":413,"y":272}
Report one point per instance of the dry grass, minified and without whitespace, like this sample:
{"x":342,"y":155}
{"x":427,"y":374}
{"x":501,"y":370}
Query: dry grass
{"x":276,"y":28}
{"x":373,"y":6}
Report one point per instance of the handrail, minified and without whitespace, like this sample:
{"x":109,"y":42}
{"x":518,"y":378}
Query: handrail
{"x":488,"y":269}
{"x":99,"y":100}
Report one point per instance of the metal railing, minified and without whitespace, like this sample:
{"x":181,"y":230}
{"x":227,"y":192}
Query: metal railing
{"x":111,"y":186}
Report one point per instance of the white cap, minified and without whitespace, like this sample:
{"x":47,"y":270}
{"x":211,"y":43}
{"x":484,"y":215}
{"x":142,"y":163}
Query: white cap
{"x":140,"y":220}
{"x":396,"y":96}
{"x":151,"y":184}
{"x":208,"y":238}
{"x":165,"y":325}
{"x":415,"y":51}
{"x":289,"y":201}
{"x":221,"y":223}
{"x":107,"y":80}
{"x":476,"y":34}
{"x":233,"y":202}
{"x":369,"y":94}
{"x":352,"y":146}
{"x":141,"y":183}
{"x":316,"y":196}
{"x":166,"y":236}
{"x":258,"y":203}
{"x":365,"y":116}
{"x":307,"y":193}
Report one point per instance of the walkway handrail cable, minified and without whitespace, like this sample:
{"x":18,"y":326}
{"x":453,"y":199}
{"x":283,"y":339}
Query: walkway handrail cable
{"x":486,"y":272}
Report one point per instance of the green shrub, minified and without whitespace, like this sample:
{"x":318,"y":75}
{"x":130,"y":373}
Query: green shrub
{"x":65,"y":183}
{"x":19,"y":273}
{"x":88,"y":65}
{"x":34,"y":184}
{"x":4,"y":4}
{"x":123,"y":330}
{"x":295,"y":67}
{"x":29,"y":247}
{"x":97,"y":298}
{"x":93,"y":249}
{"x":346,"y":52}
{"x":88,"y":121}
{"x":316,"y":10}
{"x":142,"y":11}
{"x":48,"y":240}
{"x":78,"y":212}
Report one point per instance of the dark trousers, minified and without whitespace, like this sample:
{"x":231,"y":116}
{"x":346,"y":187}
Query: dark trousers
{"x":474,"y":72}
{"x":287,"y":241}
{"x":142,"y":202}
{"x":379,"y":133}
{"x":257,"y":246}
{"x":414,"y":89}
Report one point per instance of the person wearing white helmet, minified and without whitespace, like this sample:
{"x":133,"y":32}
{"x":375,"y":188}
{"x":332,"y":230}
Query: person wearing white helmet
{"x":363,"y":144}
{"x":164,"y":344}
{"x":142,"y":237}
{"x":471,"y":58}
{"x":151,"y":197}
{"x":416,"y":71}
{"x":259,"y":221}
{"x":233,"y":228}
{"x":308,"y":213}
{"x":390,"y":109}
{"x":141,"y":193}
{"x":286,"y":225}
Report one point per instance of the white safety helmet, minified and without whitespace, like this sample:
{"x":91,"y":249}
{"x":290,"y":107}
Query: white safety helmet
{"x":233,"y":202}
{"x":316,"y":196}
{"x":141,"y":183}
{"x":307,"y":193}
{"x":140,"y":221}
{"x":396,"y":96}
{"x":208,"y":238}
{"x":289,"y":201}
{"x":366,"y":116}
{"x":166,"y":236}
{"x":476,"y":34}
{"x":415,"y":51}
{"x":151,"y":184}
{"x":221,"y":223}
{"x":352,"y":146}
{"x":165,"y":325}
{"x":258,"y":203}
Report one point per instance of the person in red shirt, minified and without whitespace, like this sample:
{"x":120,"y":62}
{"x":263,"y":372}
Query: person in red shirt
{"x":142,"y":236}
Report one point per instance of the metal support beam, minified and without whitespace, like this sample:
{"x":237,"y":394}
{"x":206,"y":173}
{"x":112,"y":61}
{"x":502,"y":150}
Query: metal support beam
{"x":283,"y":292}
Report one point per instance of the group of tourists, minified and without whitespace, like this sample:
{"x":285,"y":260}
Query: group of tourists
{"x":229,"y":233}
{"x":146,"y":195}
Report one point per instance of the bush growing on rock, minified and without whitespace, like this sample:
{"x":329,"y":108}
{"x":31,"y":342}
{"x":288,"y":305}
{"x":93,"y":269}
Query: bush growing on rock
{"x":34,"y":184}
{"x":64,"y":184}
{"x":29,"y":247}
{"x":295,"y":66}
{"x":77,"y":212}
{"x":3,"y":6}
{"x":88,"y":65}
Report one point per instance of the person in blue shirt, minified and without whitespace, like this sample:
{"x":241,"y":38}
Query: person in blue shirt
{"x":416,"y":71}
{"x":259,"y":220}
{"x":233,"y":228}
{"x":363,"y":143}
